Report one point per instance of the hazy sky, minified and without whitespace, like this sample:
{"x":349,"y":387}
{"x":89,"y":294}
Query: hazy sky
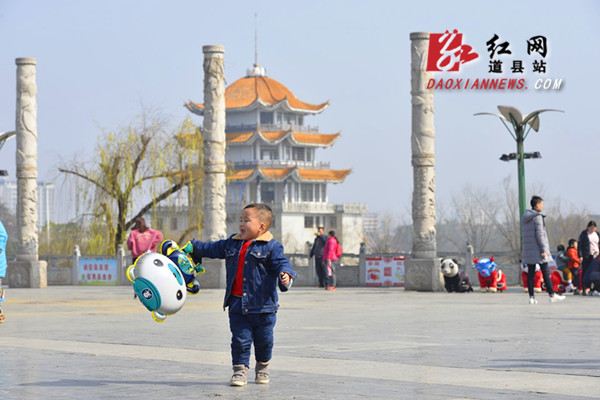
{"x":98,"y":60}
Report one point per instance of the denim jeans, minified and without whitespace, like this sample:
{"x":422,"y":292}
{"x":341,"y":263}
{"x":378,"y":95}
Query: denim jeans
{"x":247,"y":329}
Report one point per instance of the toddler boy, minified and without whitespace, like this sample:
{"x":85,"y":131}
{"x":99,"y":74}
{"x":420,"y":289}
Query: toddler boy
{"x":255,"y":267}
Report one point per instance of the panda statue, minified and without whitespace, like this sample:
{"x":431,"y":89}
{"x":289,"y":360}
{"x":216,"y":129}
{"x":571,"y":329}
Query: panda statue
{"x":455,"y":280}
{"x":159,"y":284}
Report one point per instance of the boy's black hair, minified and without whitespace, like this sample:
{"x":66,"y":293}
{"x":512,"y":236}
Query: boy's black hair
{"x":572,"y":242}
{"x":535,"y":200}
{"x":265,"y":212}
{"x":560,"y":248}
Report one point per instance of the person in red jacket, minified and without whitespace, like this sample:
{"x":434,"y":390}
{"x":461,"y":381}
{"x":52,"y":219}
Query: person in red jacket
{"x":331,"y":254}
{"x":572,"y":271}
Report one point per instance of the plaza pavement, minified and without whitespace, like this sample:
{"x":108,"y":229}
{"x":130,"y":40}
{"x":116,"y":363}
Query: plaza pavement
{"x":355,"y":343}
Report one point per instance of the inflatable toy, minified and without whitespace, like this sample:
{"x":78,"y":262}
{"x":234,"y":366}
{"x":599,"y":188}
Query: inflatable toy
{"x":158,"y":284}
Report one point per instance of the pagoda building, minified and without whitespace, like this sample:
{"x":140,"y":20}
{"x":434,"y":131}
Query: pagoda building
{"x":271,"y":159}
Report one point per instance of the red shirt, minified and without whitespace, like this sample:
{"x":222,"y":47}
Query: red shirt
{"x":236,"y":290}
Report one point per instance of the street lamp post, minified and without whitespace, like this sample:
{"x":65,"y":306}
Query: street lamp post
{"x":521,"y":168}
{"x":519,"y":132}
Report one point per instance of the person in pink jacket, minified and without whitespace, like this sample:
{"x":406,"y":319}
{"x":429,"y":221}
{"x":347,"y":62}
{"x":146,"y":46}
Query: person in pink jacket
{"x":142,"y":239}
{"x":331,"y":255}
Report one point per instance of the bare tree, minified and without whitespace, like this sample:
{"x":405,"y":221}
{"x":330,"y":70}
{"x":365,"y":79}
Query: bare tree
{"x":471,"y":219}
{"x":507,"y":221}
{"x":390,"y":237}
{"x":139,"y":165}
{"x":564,"y":225}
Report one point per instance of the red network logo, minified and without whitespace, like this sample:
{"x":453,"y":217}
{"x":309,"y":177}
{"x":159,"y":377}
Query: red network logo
{"x":447,"y":52}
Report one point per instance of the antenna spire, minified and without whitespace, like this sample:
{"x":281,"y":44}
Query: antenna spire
{"x":256,"y":70}
{"x":255,"y":39}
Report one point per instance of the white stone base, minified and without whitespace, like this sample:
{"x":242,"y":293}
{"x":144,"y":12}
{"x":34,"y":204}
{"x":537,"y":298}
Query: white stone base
{"x":27,"y":274}
{"x":423,"y":275}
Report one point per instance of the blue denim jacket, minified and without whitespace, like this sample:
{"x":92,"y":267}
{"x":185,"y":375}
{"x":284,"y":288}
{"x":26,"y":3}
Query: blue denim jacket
{"x":263,"y":263}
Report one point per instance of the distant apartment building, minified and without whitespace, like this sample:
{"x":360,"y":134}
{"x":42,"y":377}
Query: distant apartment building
{"x":45,"y":206}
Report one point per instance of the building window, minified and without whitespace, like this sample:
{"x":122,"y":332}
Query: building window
{"x":269,"y":153}
{"x":333,"y":222}
{"x":286,"y":152}
{"x":290,"y":118}
{"x":296,"y":191}
{"x":298,"y":154}
{"x":267,"y":192}
{"x":174,"y":223}
{"x":266,"y":117}
{"x":300,"y":120}
{"x":308,"y":222}
{"x":307,"y":192}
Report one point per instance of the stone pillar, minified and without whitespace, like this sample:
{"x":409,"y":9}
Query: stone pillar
{"x":28,"y":271}
{"x":213,"y":132}
{"x":422,"y":270}
{"x":75,"y":265}
{"x":362,"y":265}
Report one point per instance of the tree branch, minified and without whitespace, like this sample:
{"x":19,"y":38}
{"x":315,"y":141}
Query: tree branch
{"x":157,"y":199}
{"x":92,"y":181}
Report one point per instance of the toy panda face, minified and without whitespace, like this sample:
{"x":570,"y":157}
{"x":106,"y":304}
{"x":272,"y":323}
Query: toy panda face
{"x":449,"y":268}
{"x":159,"y":283}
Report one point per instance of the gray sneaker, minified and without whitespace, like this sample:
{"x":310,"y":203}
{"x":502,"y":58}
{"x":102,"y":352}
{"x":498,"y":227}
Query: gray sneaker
{"x":262,"y":373}
{"x":239,"y":376}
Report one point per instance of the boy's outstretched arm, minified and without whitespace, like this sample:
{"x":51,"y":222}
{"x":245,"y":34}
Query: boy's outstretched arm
{"x":205,"y":249}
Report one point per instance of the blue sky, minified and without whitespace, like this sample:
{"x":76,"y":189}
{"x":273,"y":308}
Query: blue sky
{"x":98,"y":60}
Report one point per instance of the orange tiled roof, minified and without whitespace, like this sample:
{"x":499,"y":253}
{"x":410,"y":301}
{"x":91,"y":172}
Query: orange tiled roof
{"x":240,"y":174}
{"x":324,"y":175}
{"x":273,"y":136}
{"x":303,"y":175}
{"x":323,"y":139}
{"x":238,"y":137}
{"x":276,"y":173}
{"x":245,"y":91}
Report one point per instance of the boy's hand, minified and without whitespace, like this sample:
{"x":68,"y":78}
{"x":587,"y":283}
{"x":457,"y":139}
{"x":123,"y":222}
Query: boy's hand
{"x":285,"y":278}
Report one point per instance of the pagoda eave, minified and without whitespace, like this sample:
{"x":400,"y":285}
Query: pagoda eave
{"x":198,"y":108}
{"x":294,"y":173}
{"x":274,"y":138}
